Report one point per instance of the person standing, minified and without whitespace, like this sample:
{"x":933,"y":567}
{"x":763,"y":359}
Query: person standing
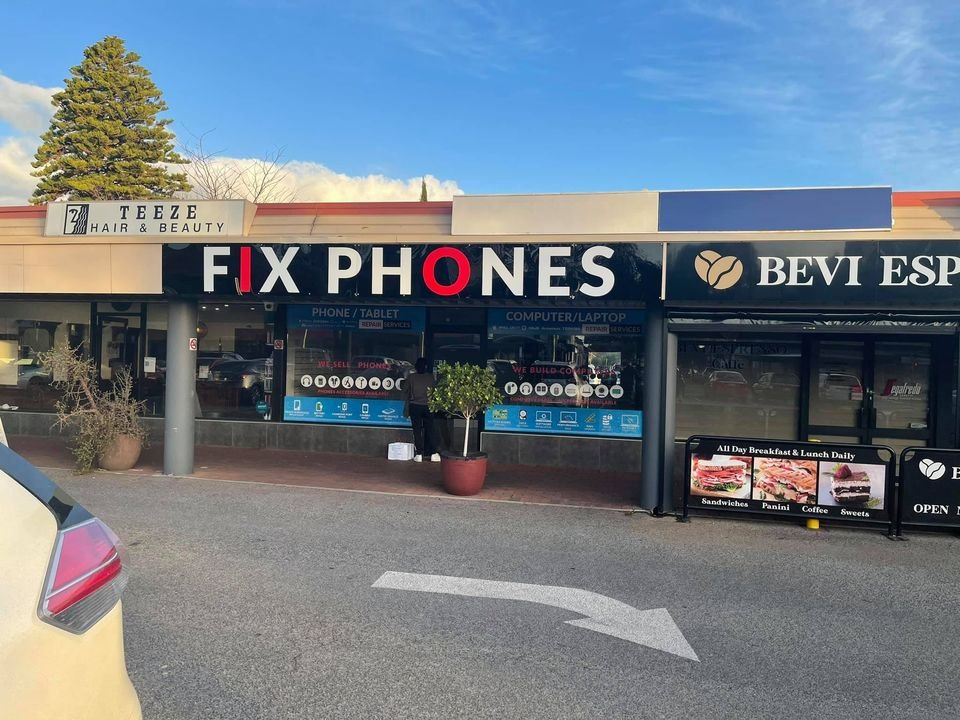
{"x":416,"y":407}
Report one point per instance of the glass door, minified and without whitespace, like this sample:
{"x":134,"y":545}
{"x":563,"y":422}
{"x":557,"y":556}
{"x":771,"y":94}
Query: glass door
{"x":870,"y":391}
{"x":902,"y":394}
{"x":119,"y":345}
{"x":119,"y":342}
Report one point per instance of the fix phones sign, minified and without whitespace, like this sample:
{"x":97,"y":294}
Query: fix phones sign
{"x":360,"y":273}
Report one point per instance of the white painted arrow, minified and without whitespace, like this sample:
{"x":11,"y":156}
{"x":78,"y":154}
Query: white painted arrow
{"x":652,"y":628}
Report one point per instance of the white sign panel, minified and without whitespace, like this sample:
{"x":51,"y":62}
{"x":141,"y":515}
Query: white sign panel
{"x":168,"y":218}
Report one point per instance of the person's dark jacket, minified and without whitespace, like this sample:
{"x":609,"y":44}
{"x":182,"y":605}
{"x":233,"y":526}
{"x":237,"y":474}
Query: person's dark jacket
{"x":417,"y":386}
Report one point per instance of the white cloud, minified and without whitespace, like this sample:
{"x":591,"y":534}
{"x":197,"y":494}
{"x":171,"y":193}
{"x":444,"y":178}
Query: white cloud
{"x":479,"y":35}
{"x":25,"y":107}
{"x":315,"y":182}
{"x":301,"y":181}
{"x":722,"y":13}
{"x":16,"y":184}
{"x":866,"y":83}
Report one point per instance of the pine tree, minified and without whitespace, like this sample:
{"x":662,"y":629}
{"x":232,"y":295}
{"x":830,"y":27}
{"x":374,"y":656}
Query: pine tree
{"x":423,"y":189}
{"x":105,"y":141}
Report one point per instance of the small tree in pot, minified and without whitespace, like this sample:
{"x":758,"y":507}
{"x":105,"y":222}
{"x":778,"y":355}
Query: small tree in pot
{"x":106,"y":421}
{"x":464,"y":391}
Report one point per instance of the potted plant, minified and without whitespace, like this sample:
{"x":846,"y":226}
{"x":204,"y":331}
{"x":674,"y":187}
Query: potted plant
{"x":105,"y":420}
{"x":464,"y":391}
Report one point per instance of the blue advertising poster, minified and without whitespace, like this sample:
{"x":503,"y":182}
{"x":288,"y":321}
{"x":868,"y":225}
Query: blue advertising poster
{"x":550,"y":321}
{"x":357,"y":317}
{"x":348,"y":411}
{"x":565,"y":420}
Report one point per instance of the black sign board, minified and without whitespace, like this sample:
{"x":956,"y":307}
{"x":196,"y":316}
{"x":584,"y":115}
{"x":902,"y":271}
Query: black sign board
{"x":797,"y":479}
{"x":929,"y":487}
{"x":552,"y":274}
{"x":821,"y":273}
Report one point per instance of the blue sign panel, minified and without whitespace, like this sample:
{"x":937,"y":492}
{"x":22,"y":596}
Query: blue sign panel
{"x":346,"y":411}
{"x":853,"y":208}
{"x":565,"y":420}
{"x":547,"y":321}
{"x":357,"y":317}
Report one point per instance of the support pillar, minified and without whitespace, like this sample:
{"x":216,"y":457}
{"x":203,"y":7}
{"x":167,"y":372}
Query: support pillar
{"x":669,"y":420}
{"x":651,"y":470}
{"x":181,"y":388}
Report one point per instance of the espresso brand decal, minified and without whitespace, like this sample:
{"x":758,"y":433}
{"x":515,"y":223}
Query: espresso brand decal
{"x":181,"y":218}
{"x":818,"y":273}
{"x":560,"y":273}
{"x":717,"y":271}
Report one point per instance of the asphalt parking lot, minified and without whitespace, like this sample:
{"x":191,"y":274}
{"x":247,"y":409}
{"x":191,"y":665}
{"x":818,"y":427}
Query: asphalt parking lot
{"x":257,"y":601}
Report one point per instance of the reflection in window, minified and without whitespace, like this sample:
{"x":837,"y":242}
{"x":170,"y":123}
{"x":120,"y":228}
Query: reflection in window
{"x":749,"y":388}
{"x":235,"y":360}
{"x":26,"y":330}
{"x":351,"y":354}
{"x":603,"y":370}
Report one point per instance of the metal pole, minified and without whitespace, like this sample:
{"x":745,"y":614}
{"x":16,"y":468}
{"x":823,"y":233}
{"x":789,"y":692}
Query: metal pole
{"x":651,"y":470}
{"x":181,"y":388}
{"x":669,"y":421}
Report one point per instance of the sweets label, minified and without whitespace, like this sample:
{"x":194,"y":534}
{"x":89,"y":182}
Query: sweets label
{"x":808,"y":479}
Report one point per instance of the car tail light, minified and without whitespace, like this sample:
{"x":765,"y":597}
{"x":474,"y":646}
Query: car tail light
{"x":86,"y":576}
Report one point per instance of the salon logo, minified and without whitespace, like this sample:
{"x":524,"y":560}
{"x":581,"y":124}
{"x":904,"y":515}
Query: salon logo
{"x":720,"y":272}
{"x":76,"y":219}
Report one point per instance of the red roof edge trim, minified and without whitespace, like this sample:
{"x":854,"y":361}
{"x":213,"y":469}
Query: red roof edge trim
{"x":357,"y":208}
{"x":18,"y":212}
{"x":921,"y":199}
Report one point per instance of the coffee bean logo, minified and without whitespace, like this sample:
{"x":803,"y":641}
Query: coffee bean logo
{"x":933,"y":470}
{"x":718,"y":271}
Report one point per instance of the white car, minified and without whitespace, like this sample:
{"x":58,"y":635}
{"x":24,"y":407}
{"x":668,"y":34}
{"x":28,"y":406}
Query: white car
{"x":61,"y":626}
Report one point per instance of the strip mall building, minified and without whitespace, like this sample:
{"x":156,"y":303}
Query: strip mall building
{"x":617,"y":324}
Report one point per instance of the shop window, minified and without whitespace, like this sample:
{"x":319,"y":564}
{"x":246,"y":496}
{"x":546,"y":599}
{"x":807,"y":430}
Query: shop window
{"x":567,"y":371}
{"x":153,"y":380}
{"x":28,"y":329}
{"x":348,"y":363}
{"x":235,"y":360}
{"x":743,"y":388}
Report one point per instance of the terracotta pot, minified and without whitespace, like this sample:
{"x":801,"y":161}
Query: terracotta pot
{"x":121,"y":454}
{"x":463,"y":475}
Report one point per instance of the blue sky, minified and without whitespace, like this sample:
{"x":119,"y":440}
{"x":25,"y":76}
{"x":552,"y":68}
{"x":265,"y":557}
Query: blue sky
{"x":528,"y":96}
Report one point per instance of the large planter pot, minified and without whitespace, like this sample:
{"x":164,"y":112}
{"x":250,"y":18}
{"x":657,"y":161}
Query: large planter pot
{"x":463,"y":475}
{"x":121,"y":454}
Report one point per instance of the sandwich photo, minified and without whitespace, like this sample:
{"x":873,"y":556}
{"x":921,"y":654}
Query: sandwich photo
{"x":851,"y":485}
{"x":720,"y":476}
{"x":784,"y":480}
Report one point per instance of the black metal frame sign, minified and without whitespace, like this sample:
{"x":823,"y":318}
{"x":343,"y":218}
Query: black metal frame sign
{"x":791,"y":479}
{"x":929,"y":488}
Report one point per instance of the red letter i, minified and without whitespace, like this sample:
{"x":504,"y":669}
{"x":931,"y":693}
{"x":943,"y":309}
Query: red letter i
{"x":244,"y":269}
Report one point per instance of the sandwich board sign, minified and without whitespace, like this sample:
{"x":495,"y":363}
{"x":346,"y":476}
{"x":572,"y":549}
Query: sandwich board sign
{"x":929,"y":488}
{"x":794,"y":479}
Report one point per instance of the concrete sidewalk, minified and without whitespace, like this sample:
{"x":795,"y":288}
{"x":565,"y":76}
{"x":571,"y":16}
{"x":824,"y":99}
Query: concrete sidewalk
{"x":516,"y":483}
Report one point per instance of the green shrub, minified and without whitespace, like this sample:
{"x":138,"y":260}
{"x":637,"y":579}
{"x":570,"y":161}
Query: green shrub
{"x":464,"y":390}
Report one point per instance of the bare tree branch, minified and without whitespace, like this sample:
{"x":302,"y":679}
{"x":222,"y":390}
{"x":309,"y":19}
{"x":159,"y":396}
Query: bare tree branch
{"x":212,"y":177}
{"x":265,"y":180}
{"x":217,"y":177}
